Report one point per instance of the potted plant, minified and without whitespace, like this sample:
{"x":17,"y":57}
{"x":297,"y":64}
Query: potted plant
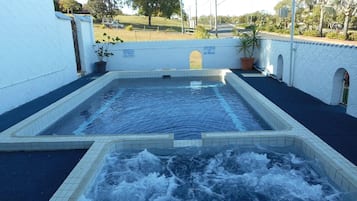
{"x":103,"y":52}
{"x":248,"y":43}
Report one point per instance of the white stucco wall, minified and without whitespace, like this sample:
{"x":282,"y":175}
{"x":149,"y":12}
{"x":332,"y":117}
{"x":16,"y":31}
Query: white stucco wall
{"x":37,"y":52}
{"x":216,"y":53}
{"x":86,"y":41}
{"x":315,"y":66}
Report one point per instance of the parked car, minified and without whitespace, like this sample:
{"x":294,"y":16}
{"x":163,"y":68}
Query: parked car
{"x":112,"y":23}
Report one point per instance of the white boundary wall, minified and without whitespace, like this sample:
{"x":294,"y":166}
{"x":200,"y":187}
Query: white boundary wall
{"x":317,"y":68}
{"x":216,"y":53}
{"x":85,"y":33}
{"x":37,"y":54}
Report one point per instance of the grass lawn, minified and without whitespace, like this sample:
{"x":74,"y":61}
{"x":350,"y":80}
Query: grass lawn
{"x":139,"y":35}
{"x":141,"y":22}
{"x":161,"y":29}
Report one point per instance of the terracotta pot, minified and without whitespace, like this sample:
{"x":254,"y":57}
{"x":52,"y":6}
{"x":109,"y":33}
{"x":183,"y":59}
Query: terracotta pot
{"x":101,"y":66}
{"x":247,"y":63}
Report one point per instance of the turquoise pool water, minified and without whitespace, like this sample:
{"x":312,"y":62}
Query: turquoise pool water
{"x":183,"y":106}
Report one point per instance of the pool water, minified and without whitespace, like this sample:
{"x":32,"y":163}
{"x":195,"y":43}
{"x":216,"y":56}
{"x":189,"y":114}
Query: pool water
{"x":183,"y":106}
{"x":200,"y":174}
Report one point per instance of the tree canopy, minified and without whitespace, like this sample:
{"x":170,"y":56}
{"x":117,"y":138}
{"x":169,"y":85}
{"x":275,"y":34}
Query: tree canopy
{"x":162,"y":8}
{"x":102,"y":8}
{"x":69,"y":6}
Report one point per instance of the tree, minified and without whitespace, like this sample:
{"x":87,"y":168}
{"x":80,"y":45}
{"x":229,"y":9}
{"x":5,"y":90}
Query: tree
{"x":97,"y":8}
{"x":102,"y":8}
{"x":307,"y":11}
{"x":282,"y":4}
{"x":349,"y":9}
{"x":151,"y":8}
{"x":145,"y":7}
{"x":57,"y":8}
{"x":169,"y":7}
{"x":326,"y":7}
{"x":69,"y":5}
{"x":111,"y":7}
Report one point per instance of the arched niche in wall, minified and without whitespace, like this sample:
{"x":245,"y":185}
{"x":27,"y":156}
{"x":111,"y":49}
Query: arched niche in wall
{"x":280,"y":68}
{"x":195,"y":60}
{"x":340,"y":88}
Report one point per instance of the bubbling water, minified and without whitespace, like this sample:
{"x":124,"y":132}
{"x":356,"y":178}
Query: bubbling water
{"x":194,"y":175}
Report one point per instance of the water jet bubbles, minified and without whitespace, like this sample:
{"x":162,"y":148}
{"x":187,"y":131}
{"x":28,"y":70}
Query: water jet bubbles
{"x":196,"y":174}
{"x":251,"y":161}
{"x":145,"y":163}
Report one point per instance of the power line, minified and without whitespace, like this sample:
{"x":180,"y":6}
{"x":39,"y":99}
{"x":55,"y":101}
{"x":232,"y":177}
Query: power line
{"x":221,"y":2}
{"x":204,"y":5}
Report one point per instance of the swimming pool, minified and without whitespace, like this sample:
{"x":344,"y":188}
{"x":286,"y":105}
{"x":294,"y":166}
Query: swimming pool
{"x":211,"y":101}
{"x":183,"y":106}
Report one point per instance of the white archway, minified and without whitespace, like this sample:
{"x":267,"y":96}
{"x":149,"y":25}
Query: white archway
{"x":280,"y":68}
{"x":196,"y":60}
{"x":340,"y":87}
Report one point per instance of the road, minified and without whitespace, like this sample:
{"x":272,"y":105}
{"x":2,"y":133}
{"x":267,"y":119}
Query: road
{"x":224,"y":31}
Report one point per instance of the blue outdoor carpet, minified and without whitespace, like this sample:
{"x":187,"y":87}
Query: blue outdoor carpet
{"x":330,"y":123}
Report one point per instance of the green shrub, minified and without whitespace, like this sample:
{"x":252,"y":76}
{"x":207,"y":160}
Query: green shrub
{"x":129,"y":28}
{"x":235,"y":31}
{"x":331,"y":35}
{"x":201,"y":33}
{"x":263,"y":28}
{"x":170,"y":30}
{"x":335,"y":35}
{"x":314,"y":33}
{"x":271,"y":28}
{"x":283,"y":31}
{"x":352,"y":36}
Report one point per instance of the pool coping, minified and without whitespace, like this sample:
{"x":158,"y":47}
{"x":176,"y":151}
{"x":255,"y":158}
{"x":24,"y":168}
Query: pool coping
{"x":15,"y":138}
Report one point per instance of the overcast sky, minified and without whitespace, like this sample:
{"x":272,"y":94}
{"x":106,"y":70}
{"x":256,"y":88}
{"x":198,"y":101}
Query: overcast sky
{"x":225,"y":7}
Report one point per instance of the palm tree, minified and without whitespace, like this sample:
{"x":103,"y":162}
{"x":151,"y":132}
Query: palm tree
{"x":348,"y":8}
{"x":323,"y":4}
{"x":326,"y":6}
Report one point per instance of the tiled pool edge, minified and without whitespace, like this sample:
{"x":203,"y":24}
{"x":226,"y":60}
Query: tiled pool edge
{"x":82,"y":175}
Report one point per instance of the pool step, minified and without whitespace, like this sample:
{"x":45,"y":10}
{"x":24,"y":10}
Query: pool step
{"x":187,"y":143}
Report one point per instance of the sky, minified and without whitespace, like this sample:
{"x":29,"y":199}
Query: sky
{"x":225,"y":7}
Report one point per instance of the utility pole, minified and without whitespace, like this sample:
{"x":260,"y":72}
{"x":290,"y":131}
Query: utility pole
{"x":196,"y":14}
{"x":182,"y":24}
{"x":292,"y":30}
{"x":210,"y":14}
{"x":215,"y":19}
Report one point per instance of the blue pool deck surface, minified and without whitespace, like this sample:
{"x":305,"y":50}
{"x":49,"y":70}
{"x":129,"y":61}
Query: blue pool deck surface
{"x":330,"y":123}
{"x":35,"y":175}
